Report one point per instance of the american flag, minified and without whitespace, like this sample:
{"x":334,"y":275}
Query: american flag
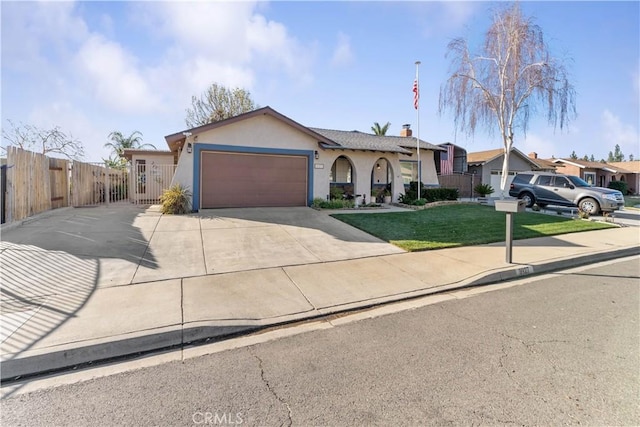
{"x":416,"y":94}
{"x":446,"y":161}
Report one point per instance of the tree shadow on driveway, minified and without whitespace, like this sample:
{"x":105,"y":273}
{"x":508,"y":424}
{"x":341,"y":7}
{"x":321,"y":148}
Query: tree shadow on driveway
{"x":54,"y":263}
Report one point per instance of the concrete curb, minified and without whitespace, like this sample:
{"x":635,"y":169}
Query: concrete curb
{"x":178,"y":336}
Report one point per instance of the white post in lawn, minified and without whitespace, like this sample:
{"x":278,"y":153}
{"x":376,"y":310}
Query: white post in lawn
{"x":416,"y":105}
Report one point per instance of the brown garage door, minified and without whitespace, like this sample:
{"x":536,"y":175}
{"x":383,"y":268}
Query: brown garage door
{"x":252,"y":180}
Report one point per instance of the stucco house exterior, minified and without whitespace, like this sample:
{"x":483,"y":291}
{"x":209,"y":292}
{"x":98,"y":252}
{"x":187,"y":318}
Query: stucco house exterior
{"x":630,"y":173}
{"x":263,"y":158}
{"x":601,"y":174}
{"x":596,"y":173}
{"x":488,"y":165}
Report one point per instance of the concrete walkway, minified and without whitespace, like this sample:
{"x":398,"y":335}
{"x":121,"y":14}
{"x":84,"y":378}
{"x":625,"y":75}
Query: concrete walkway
{"x":82,"y":285}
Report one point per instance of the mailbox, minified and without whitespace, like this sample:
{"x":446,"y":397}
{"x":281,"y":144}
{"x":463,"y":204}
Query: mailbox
{"x":513,"y":206}
{"x":509,"y":207}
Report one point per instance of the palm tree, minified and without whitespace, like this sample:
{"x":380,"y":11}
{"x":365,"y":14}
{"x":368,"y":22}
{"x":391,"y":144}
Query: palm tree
{"x":119,"y":142}
{"x":380,"y":130}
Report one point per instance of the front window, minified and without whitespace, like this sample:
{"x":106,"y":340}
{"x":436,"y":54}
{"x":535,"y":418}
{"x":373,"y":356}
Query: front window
{"x":409,"y":172}
{"x":590,"y":178}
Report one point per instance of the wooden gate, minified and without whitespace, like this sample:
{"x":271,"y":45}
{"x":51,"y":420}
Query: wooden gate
{"x":59,"y":182}
{"x":464,"y":182}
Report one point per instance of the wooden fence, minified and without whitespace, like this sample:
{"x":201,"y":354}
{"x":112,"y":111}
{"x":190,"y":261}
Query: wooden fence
{"x":464,"y":182}
{"x":35,"y":183}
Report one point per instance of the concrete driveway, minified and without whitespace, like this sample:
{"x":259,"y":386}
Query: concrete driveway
{"x":125,"y":244}
{"x":91,"y":273}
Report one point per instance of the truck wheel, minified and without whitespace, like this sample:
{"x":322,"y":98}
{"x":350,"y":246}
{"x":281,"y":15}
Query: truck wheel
{"x":589,"y":205}
{"x":528,"y":199}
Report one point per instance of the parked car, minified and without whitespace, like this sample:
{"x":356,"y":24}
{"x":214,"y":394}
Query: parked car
{"x":547,"y":188}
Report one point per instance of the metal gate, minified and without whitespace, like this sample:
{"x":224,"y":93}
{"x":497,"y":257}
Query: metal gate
{"x":148,"y":181}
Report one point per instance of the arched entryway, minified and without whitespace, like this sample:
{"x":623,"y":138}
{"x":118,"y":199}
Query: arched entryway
{"x":341,"y":179}
{"x":381,"y":181}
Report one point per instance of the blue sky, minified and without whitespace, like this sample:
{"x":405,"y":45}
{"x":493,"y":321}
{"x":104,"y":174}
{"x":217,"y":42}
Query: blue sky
{"x":94,"y":67}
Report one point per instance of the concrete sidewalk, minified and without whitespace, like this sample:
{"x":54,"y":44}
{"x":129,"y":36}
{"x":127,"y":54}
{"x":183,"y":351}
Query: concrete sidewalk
{"x":77,"y":319}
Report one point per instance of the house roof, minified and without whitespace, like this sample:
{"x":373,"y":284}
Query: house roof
{"x":327,"y":138}
{"x":584,"y":164}
{"x":176,"y":140}
{"x":483,"y":157}
{"x":626,"y":167}
{"x":546,"y":163}
{"x":356,"y":140}
{"x":130,"y":152}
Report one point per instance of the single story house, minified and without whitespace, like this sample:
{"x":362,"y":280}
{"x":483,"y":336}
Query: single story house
{"x":488,"y":165}
{"x":628,"y":172}
{"x":263,"y":158}
{"x":451,"y":161}
{"x":595,"y":173}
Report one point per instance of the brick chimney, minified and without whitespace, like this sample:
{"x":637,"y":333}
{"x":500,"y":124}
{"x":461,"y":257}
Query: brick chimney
{"x":406,"y":130}
{"x":533,"y":155}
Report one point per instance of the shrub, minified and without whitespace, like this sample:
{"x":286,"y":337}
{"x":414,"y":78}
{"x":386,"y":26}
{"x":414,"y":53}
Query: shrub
{"x":619,"y":185}
{"x":335,"y":193}
{"x":175,"y":200}
{"x":319,"y":203}
{"x":483,"y":189}
{"x":428,"y":194}
{"x":438,"y":194}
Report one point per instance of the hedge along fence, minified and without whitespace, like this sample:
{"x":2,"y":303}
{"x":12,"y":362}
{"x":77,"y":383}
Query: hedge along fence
{"x":37,"y":183}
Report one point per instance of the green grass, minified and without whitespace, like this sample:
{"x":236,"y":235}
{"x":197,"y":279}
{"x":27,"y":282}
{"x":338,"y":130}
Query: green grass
{"x":460,"y":225}
{"x":631,"y":201}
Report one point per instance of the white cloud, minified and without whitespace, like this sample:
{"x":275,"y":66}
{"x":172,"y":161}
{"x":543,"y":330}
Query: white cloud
{"x":113,"y":76}
{"x":33,"y":32}
{"x":227,"y":39}
{"x":615,"y":132}
{"x":342,"y":54}
{"x":446,"y":17}
{"x":458,"y":13}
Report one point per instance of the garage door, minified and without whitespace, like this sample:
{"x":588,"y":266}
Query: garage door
{"x":496,"y":176}
{"x":234,"y":180}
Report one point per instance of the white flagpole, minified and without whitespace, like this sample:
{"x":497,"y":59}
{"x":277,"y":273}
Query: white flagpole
{"x":418,"y":131}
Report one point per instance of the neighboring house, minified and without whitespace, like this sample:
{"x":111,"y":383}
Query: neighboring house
{"x":543,"y":164}
{"x":451,"y":161}
{"x":628,"y":172}
{"x":151,"y":173}
{"x":488,"y":165}
{"x":263,"y":158}
{"x":595,"y":173}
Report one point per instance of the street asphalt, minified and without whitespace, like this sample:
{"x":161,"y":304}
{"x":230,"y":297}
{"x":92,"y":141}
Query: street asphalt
{"x":90,"y":284}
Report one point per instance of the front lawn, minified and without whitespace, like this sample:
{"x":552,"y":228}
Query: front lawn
{"x":460,"y":225}
{"x":631,"y":201}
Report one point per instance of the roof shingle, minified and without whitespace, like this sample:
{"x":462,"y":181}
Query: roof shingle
{"x":356,"y":140}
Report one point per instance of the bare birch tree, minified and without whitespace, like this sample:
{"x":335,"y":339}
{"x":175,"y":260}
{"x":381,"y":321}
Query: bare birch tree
{"x":218,"y":103}
{"x":502,"y":86}
{"x":44,"y":141}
